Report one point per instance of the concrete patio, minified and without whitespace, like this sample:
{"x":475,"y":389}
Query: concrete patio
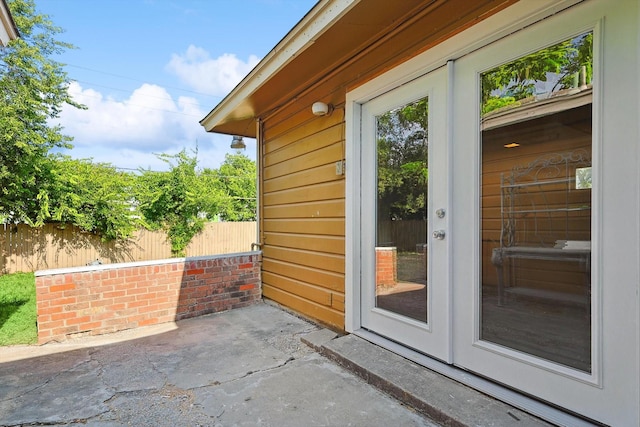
{"x":243,"y":367}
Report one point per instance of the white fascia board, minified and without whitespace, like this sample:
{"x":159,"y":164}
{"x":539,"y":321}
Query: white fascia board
{"x":8,"y":30}
{"x":323,"y":15}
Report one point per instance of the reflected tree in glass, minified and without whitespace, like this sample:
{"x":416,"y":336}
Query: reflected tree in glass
{"x":402,"y":178}
{"x":562,"y":66}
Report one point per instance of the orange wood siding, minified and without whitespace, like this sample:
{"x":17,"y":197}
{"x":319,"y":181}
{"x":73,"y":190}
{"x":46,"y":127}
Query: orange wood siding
{"x":303,"y":216}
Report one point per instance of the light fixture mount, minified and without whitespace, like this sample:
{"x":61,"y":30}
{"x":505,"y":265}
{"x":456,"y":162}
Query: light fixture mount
{"x":321,"y":108}
{"x":237,"y":143}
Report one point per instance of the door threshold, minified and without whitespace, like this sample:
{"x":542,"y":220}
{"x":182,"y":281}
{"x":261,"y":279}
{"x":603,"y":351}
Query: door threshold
{"x":387,"y":365}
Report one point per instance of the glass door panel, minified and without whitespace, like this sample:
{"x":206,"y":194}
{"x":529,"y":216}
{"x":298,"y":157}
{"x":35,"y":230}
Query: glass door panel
{"x":536,"y":203}
{"x":402,"y":206}
{"x":405,"y":275}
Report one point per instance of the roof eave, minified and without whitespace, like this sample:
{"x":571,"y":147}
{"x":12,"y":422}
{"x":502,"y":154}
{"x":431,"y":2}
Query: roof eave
{"x":235,"y":110}
{"x":8,"y":29}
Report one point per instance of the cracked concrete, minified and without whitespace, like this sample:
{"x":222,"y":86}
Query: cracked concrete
{"x":244,"y":367}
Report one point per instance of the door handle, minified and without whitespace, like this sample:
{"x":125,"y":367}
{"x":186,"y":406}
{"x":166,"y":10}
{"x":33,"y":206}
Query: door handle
{"x":439,"y":234}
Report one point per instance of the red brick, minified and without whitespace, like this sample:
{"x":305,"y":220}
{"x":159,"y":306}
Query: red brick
{"x":121,"y":285}
{"x":91,"y":325}
{"x":134,"y":291}
{"x":151,"y":307}
{"x":50,"y":325}
{"x":138,"y":304}
{"x":114,"y":294}
{"x":161,"y":299}
{"x":50,"y":310}
{"x":137,"y":318}
{"x":102,"y":302}
{"x":139,"y":279}
{"x":46,"y":296}
{"x":86,"y":298}
{"x":116,"y":307}
{"x":146,"y":296}
{"x":62,"y":287}
{"x":99,"y":317}
{"x":77,"y":320}
{"x":44,"y":333}
{"x":167,"y":305}
{"x":101,"y":288}
{"x":118,"y":323}
{"x":43,"y":317}
{"x":63,"y":301}
{"x":148,"y":322}
{"x":65,"y":330}
{"x":127,"y":299}
{"x":76,"y":307}
{"x":63,"y":316}
{"x":76,"y":292}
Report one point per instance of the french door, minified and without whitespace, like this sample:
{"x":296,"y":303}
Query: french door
{"x":405,"y":196}
{"x":491,"y":204}
{"x":537,"y":289}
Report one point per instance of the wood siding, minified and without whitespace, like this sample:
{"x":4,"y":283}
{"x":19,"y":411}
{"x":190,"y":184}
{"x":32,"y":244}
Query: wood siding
{"x":303,"y":217}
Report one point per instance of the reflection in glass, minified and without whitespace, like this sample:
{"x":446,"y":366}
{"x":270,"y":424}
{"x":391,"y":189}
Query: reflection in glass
{"x":402,"y":174}
{"x":536,"y":204}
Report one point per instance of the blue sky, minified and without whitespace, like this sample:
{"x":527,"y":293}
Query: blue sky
{"x":149,"y":70}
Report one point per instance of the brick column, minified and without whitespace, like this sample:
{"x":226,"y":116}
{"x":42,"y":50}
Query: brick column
{"x":386,"y":266}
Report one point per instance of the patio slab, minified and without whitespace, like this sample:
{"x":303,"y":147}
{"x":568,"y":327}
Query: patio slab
{"x":243,"y":367}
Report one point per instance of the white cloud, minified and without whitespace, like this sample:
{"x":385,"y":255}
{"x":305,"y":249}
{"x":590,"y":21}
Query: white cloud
{"x":148,"y":118}
{"x":128,"y":133}
{"x":213,"y":76}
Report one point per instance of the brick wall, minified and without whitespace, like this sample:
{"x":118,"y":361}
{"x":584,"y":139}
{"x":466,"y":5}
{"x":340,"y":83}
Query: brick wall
{"x":108,"y":298}
{"x":386,"y":266}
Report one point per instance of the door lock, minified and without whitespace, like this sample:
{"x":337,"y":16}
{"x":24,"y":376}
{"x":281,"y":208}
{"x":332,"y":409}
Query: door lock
{"x":440,"y":213}
{"x":439,"y":234}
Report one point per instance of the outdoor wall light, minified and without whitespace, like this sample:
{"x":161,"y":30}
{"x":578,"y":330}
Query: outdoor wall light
{"x":321,"y":109}
{"x":237,"y":143}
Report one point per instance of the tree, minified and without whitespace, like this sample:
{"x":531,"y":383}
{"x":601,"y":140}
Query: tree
{"x":33,"y":89}
{"x":507,"y":84}
{"x":93,"y":196}
{"x":177,"y":201}
{"x":403,"y":162}
{"x":236,"y":180}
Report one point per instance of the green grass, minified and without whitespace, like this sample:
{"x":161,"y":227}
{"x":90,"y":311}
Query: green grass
{"x":18,"y":309}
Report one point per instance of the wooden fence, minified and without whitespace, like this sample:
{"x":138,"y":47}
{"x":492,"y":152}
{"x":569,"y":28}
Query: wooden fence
{"x":405,"y":235}
{"x":26,"y":249}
